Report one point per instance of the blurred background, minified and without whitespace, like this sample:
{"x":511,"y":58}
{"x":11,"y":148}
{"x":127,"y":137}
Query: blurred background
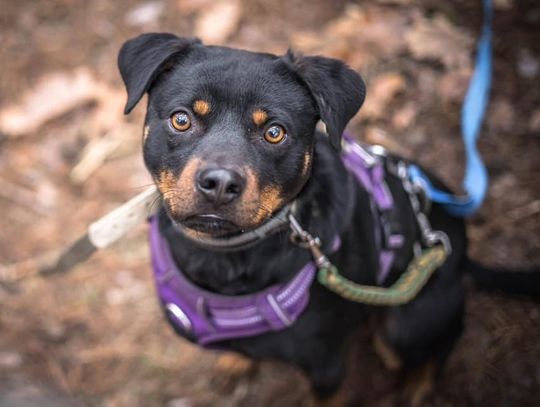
{"x":96,"y":336}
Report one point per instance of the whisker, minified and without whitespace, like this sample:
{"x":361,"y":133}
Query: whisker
{"x":154,"y":204}
{"x":139,"y":187}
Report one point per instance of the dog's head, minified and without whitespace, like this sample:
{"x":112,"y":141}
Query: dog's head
{"x":229,"y":134}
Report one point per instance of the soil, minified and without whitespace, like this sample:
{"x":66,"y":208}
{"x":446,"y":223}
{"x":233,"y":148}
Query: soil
{"x":95,"y":336}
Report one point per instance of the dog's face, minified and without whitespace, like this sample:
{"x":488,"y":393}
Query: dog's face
{"x":228,"y":136}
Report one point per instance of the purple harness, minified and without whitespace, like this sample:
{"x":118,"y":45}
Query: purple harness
{"x":206,"y":317}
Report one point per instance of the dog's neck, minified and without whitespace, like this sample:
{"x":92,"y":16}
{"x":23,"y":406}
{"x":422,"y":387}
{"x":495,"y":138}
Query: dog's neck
{"x":321,"y":210}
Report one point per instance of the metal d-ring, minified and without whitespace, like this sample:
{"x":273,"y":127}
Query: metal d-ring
{"x":180,"y":316}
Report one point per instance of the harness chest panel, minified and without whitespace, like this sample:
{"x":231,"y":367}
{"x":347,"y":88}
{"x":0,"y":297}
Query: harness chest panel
{"x":206,"y":317}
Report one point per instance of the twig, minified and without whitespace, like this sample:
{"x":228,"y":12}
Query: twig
{"x":94,"y":156}
{"x":22,"y":196}
{"x":525,"y":211}
{"x":10,"y":273}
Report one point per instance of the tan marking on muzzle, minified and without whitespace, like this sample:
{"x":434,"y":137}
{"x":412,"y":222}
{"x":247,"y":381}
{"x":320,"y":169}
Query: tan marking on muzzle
{"x":258,"y":204}
{"x":270,"y":199}
{"x":195,"y":234}
{"x":251,"y":191}
{"x":259,"y":117}
{"x":201,"y":107}
{"x":179,"y":192}
{"x":145,"y":133}
{"x":250,"y":204}
{"x":166,"y":184}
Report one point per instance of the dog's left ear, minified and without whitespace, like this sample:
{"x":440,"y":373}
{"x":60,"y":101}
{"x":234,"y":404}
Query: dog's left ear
{"x":338,"y":90}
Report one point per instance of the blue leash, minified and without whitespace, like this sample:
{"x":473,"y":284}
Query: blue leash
{"x":472,"y":114}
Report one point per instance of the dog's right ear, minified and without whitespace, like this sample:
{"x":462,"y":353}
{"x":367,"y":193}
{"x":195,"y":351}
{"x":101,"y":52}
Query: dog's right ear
{"x":143,"y":58}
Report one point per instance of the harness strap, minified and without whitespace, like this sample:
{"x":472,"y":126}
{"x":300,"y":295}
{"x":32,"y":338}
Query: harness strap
{"x":369,"y":170}
{"x":207,"y":317}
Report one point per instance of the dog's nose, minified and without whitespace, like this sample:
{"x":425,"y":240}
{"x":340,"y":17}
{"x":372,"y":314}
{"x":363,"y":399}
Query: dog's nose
{"x":220,"y":185}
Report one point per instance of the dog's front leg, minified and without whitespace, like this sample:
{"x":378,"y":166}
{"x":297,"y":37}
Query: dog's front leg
{"x":230,"y":368}
{"x":327,"y":375}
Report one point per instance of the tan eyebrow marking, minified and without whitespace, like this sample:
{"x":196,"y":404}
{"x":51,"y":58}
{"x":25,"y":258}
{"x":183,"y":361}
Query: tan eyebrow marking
{"x":201,"y":107}
{"x":259,"y":117}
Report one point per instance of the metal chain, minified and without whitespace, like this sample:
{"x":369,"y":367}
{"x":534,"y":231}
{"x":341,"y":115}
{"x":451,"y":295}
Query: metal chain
{"x":429,"y":236}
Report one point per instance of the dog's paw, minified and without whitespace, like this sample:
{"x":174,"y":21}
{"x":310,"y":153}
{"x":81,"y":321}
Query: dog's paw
{"x":230,"y":369}
{"x":337,"y":400}
{"x":420,"y":385}
{"x":388,"y":356}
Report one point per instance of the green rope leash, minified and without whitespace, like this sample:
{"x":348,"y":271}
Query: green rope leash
{"x":402,"y":291}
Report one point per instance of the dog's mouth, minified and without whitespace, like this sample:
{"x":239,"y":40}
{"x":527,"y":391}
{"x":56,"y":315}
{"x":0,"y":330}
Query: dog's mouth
{"x":211,"y":224}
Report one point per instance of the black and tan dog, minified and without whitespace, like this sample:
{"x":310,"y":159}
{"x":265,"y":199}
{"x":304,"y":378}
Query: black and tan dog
{"x":230,"y":138}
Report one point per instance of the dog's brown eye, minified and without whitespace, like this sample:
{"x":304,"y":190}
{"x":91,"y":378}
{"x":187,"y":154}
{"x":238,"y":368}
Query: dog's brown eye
{"x":181,"y":121}
{"x":274,"y":134}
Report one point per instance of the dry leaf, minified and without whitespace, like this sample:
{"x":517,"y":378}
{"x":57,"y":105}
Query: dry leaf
{"x":528,"y":66}
{"x":10,"y":360}
{"x":22,"y":196}
{"x":503,"y":4}
{"x":381,"y":91}
{"x":218,"y":22}
{"x":54,"y":95}
{"x":376,"y":135}
{"x":534,"y":122}
{"x":453,"y":85}
{"x":59,"y":93}
{"x":438,"y":39}
{"x":145,"y":14}
{"x":405,"y":116}
{"x":188,"y":7}
{"x":109,"y":111}
{"x":502,"y":115}
{"x":394,"y":2}
{"x":361,"y":36}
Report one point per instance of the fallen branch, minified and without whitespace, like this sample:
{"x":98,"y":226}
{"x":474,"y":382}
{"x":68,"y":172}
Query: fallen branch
{"x":94,"y":156}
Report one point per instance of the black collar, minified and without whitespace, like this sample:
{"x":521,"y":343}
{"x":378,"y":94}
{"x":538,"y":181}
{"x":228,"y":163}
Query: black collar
{"x":247,"y":239}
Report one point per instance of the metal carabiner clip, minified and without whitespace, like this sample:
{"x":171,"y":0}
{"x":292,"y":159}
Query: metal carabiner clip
{"x":304,"y":239}
{"x":437,"y":236}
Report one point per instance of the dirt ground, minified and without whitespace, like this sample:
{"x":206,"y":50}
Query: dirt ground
{"x":95,"y":336}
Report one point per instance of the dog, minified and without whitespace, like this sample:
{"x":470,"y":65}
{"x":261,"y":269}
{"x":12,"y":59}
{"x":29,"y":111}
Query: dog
{"x":231,"y":141}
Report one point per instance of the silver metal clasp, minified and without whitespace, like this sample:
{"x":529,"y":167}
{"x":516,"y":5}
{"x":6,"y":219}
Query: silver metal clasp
{"x":304,"y":239}
{"x":420,"y":205}
{"x":437,"y":236}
